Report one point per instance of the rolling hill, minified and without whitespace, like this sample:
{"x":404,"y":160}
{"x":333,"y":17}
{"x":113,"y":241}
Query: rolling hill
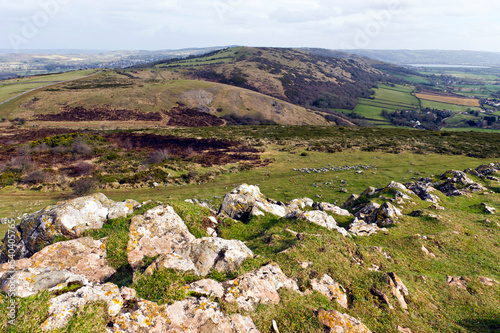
{"x":295,"y":76}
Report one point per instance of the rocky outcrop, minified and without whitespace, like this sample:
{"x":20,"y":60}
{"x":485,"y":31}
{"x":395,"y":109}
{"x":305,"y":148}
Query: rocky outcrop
{"x":456,"y":281}
{"x":361,"y":228}
{"x":398,"y":289}
{"x":161,"y":232}
{"x":331,"y":289}
{"x":337,"y":322}
{"x":260,"y":286}
{"x":328,"y":207}
{"x":69,"y":218}
{"x":245,"y":201}
{"x":424,"y":191}
{"x":319,"y":218}
{"x":190,"y":315}
{"x":158,"y":231}
{"x":30,"y":281}
{"x":82,"y":256}
{"x":457,"y":183}
{"x":64,"y":306}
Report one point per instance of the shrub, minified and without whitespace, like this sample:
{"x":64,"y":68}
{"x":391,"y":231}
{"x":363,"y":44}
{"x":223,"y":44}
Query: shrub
{"x":159,"y":156}
{"x":81,"y":147}
{"x":22,"y":163}
{"x":84,"y":186}
{"x":37,"y":177}
{"x":41,"y":148}
{"x":82,"y":169}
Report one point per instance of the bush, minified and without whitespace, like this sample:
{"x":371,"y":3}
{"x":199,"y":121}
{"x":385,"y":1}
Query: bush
{"x":38,"y":177}
{"x":81,"y":147}
{"x":159,"y":156}
{"x":22,"y":163}
{"x":84,"y":186}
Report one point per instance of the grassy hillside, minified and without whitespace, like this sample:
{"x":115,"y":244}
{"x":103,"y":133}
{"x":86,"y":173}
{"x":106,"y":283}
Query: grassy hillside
{"x":147,"y":94}
{"x":463,"y":240}
{"x":292,"y":75}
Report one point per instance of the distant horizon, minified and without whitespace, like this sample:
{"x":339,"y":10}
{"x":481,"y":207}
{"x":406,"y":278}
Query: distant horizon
{"x":28,"y":51}
{"x":339,"y":25}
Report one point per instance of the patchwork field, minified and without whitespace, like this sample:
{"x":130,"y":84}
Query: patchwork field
{"x":448,"y":99}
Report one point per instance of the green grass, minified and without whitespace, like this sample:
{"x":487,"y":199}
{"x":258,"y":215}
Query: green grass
{"x":464,"y":245}
{"x":10,"y":88}
{"x":446,"y":106}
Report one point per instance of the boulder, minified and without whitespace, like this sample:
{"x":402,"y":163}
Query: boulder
{"x":361,"y":228}
{"x":207,"y":287}
{"x":299,"y":204}
{"x":337,"y":322}
{"x":331,"y":289}
{"x":211,"y":253}
{"x":159,"y":231}
{"x":30,"y":281}
{"x":316,"y":216}
{"x":424,"y":191}
{"x":69,"y":218}
{"x":190,"y":315}
{"x":398,"y":289}
{"x":367,"y":209}
{"x":350,"y":201}
{"x":456,"y":281}
{"x":238,"y":204}
{"x":204,"y":255}
{"x":328,"y":207}
{"x":64,"y":306}
{"x":488,"y":281}
{"x":385,"y":215}
{"x":487,"y":209}
{"x":82,"y":256}
{"x":260,"y":286}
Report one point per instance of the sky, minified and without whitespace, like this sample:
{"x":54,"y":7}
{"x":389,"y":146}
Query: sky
{"x":176,"y":24}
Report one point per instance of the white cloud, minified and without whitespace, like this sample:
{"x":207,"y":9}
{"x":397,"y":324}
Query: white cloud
{"x":157,"y":24}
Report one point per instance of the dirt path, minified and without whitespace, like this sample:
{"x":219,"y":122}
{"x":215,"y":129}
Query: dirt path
{"x":47,"y":85}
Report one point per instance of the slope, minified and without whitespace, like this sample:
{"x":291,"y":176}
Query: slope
{"x":295,"y":76}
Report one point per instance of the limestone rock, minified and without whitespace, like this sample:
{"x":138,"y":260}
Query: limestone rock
{"x":488,"y":281}
{"x":70,"y":218}
{"x":367,"y":210}
{"x":30,"y":281}
{"x":385,"y":215}
{"x":260,"y":286}
{"x":331,"y":289}
{"x":350,"y":201}
{"x":404,"y":329}
{"x":299,"y":204}
{"x":361,"y":228}
{"x":122,"y":209}
{"x":207,"y":287}
{"x":337,"y":322}
{"x":487,"y":209}
{"x":64,"y":306}
{"x":328,"y":207}
{"x":159,"y":231}
{"x":190,"y":315}
{"x":424,"y":191}
{"x":219,"y":254}
{"x":238,"y":204}
{"x":82,"y":256}
{"x":399,"y":290}
{"x":316,"y":216}
{"x":456,"y":281}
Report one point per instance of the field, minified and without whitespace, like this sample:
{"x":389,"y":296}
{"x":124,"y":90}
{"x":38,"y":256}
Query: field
{"x":388,"y":98}
{"x":447,"y":99}
{"x":13,"y":87}
{"x":462,"y":242}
